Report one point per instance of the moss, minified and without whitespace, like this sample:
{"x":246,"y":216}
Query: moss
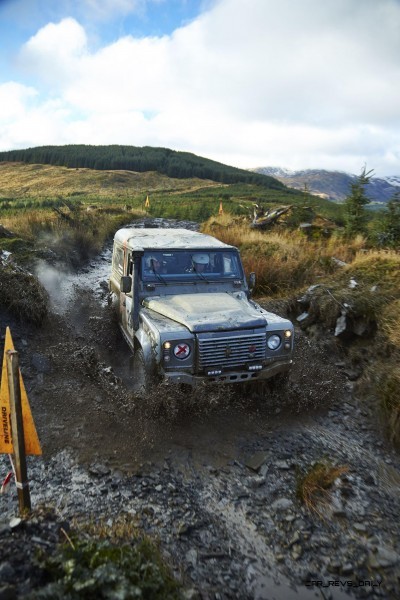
{"x":377,"y":268}
{"x":90,"y":568}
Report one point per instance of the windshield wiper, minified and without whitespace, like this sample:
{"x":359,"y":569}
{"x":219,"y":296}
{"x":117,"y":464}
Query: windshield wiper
{"x":157,"y":274}
{"x":201,"y":276}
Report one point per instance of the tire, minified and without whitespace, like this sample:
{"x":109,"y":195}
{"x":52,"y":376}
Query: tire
{"x":143,"y":378}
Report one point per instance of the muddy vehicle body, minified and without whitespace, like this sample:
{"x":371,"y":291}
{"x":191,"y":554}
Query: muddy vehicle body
{"x":185,"y":310}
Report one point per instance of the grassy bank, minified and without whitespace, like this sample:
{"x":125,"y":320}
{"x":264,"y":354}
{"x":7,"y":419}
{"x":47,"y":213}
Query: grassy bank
{"x":74,"y":233}
{"x":366,"y":283}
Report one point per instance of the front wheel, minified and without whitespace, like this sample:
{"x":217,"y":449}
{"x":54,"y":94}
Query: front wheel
{"x":143,"y":378}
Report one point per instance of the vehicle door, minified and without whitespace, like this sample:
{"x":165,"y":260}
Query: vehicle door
{"x":126,"y":299}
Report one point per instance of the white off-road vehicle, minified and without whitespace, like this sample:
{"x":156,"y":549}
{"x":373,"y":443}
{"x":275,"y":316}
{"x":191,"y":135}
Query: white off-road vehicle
{"x":185,"y":310}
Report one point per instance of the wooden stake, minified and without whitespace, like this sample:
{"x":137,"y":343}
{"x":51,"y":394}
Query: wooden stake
{"x":17,"y":432}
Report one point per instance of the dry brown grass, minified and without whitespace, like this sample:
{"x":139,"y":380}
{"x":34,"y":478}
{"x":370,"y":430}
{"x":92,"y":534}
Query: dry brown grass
{"x":314,"y":488}
{"x":76,"y":237}
{"x":283,"y":260}
{"x":390,"y":322}
{"x":46,"y":181}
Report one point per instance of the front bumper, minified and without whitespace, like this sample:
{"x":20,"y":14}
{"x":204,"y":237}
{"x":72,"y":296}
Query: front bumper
{"x":243,"y":376}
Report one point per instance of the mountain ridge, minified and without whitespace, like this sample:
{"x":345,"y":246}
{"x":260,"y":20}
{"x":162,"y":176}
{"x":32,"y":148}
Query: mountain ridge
{"x":333,"y":185}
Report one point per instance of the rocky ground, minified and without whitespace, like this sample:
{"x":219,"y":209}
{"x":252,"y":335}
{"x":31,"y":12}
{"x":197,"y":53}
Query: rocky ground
{"x":212,"y":475}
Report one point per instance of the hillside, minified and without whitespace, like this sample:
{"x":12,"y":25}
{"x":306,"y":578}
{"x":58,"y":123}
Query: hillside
{"x":181,"y":165}
{"x":20,"y":180}
{"x":37,"y":186}
{"x":333,"y":185}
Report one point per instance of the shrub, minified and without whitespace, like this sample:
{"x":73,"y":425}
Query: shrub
{"x":91,"y":568}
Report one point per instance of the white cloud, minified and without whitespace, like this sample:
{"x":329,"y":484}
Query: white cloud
{"x":53,"y":54}
{"x":262,"y":82}
{"x":13,"y":99}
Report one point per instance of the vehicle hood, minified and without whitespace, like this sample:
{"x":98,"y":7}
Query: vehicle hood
{"x":208,"y":312}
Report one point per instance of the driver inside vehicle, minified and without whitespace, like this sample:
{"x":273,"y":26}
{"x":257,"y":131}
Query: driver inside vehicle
{"x":154,"y":264}
{"x":200,"y":262}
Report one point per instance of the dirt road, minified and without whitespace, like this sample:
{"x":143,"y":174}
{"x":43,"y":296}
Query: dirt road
{"x":212,"y":474}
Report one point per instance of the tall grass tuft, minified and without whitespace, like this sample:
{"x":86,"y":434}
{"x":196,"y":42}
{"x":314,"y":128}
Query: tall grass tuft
{"x":314,"y":487}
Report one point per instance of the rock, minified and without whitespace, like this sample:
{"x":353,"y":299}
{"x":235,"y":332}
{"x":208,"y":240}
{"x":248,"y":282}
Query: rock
{"x":15,"y":522}
{"x":383,"y":557}
{"x":283,"y":465}
{"x":99,"y":470}
{"x":352,"y":283}
{"x":256,"y":482}
{"x":8,"y":592}
{"x":341,"y":324}
{"x":281,"y":504}
{"x":191,"y":556}
{"x":297,"y":551}
{"x":255,"y":461}
{"x":360,"y":527}
{"x":338,"y":262}
{"x":347,"y":569}
{"x":7,"y":573}
{"x":352,"y":374}
{"x":303,"y":317}
{"x":296,"y":538}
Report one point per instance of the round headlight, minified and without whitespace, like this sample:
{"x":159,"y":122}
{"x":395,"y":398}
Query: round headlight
{"x":182,"y":350}
{"x":274,"y":341}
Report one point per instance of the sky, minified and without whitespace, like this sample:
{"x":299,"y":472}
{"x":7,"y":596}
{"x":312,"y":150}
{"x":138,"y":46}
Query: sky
{"x":291,"y":83}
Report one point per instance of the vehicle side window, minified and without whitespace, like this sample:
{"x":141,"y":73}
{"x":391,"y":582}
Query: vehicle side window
{"x":119,"y":260}
{"x":228,"y":267}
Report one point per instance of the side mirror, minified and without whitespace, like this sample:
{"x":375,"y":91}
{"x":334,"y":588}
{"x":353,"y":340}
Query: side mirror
{"x":126,"y":284}
{"x":252,"y":281}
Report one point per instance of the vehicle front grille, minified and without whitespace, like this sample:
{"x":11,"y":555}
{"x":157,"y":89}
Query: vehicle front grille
{"x":230,"y":351}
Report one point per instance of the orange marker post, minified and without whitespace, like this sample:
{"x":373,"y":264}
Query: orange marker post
{"x":32,"y":444}
{"x":17,"y":430}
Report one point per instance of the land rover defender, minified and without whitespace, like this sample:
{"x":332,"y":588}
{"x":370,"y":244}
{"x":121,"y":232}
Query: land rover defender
{"x":185,"y":309}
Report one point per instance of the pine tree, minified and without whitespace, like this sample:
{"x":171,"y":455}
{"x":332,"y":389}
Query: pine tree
{"x":390,"y":232}
{"x":356,"y":216}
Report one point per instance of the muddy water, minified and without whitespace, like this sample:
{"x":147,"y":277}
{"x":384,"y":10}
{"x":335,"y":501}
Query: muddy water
{"x":210,"y":426}
{"x":194,"y":431}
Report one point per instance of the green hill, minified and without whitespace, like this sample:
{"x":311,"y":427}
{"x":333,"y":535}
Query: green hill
{"x":180,"y":165}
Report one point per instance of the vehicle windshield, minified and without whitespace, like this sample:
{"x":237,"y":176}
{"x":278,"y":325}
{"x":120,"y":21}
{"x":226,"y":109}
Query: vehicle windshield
{"x":194,"y":265}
